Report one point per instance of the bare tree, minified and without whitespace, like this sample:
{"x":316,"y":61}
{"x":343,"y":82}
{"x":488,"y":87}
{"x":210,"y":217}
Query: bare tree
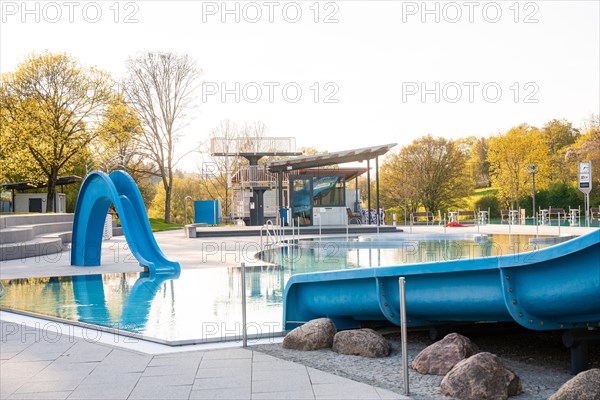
{"x":160,"y":86}
{"x":217,"y":172}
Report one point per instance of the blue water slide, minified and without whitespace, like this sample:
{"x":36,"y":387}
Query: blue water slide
{"x":554,"y":288}
{"x":97,"y":193}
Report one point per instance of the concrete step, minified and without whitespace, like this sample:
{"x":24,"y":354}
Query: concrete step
{"x":15,"y":234}
{"x":66,"y":237}
{"x":23,"y":233}
{"x":36,"y":248}
{"x":7,"y":221}
{"x":53,"y":227}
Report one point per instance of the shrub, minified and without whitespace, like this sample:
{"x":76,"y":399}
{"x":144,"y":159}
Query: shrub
{"x":489,"y":202}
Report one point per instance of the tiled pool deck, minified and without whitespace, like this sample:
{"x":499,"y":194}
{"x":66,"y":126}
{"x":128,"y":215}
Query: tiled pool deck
{"x":38,"y":365}
{"x":41,"y":364}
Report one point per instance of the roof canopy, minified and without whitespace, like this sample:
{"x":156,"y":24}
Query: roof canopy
{"x":348,"y":173}
{"x":324,"y":160}
{"x":28,"y":185}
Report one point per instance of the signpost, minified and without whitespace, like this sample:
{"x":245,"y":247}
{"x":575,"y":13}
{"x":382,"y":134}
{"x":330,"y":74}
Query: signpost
{"x":585,"y":183}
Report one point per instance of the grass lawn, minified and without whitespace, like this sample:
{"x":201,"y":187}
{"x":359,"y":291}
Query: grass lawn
{"x":479,"y":193}
{"x":158,"y":224}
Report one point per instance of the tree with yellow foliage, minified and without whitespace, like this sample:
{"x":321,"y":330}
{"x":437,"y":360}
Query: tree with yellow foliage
{"x":509,"y":156}
{"x":49,"y":107}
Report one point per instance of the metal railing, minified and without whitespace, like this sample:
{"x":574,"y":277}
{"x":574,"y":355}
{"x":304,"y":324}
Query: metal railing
{"x":266,"y":145}
{"x":270,"y":235}
{"x":254,"y":175}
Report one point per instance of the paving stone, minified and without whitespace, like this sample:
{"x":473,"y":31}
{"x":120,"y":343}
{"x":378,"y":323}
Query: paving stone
{"x":168,"y":380}
{"x":295,"y":395}
{"x":7,"y":355}
{"x":40,"y":396}
{"x":345,"y":390}
{"x":282,"y":383}
{"x":227,"y":354}
{"x":222,"y":372}
{"x":85,"y":352}
{"x":170,"y":370}
{"x":277,"y":365}
{"x":232,"y":363}
{"x":62,"y":385}
{"x":221,"y":383}
{"x":9,"y":386}
{"x":57,"y":371}
{"x":13,"y":370}
{"x":28,"y":356}
{"x":260,"y":371}
{"x":229,"y":394}
{"x":177,"y":359}
{"x":118,"y":388}
{"x":165,"y":392}
{"x":99,"y":377}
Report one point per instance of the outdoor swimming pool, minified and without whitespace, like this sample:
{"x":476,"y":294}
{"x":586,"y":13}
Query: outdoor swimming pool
{"x":202,"y":305}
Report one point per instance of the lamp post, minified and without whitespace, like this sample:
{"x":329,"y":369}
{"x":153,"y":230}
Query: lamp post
{"x":533,"y":170}
{"x":185,"y":208}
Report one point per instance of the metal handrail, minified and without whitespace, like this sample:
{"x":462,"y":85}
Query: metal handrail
{"x":272,"y":233}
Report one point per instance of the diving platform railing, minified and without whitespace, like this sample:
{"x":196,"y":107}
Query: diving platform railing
{"x":221,"y":146}
{"x":250,"y":176}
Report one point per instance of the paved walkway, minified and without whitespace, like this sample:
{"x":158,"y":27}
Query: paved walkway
{"x":38,"y":364}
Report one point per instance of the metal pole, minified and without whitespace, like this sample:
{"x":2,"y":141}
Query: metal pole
{"x":244,"y":330}
{"x":402,"y":283}
{"x":215,"y":212}
{"x":533,"y":191}
{"x":377,"y":213}
{"x":369,"y":192}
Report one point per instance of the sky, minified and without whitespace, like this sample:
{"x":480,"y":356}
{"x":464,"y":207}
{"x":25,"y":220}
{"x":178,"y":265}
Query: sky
{"x":338,"y":75}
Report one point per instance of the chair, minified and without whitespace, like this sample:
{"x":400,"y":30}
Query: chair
{"x":470,"y":216}
{"x":595,"y":211}
{"x":415,"y":217}
{"x":558,"y":212}
{"x":353,"y":218}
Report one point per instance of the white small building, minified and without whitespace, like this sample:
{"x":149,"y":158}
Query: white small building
{"x":36,"y":202}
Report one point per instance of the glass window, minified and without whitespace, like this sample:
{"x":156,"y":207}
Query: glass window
{"x":329,"y":191}
{"x":301,"y":206}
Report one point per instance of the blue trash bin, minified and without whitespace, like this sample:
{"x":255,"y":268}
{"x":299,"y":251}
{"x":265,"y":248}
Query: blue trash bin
{"x":283,"y":213}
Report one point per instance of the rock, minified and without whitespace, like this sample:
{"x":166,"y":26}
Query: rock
{"x":313,"y":335}
{"x":361,"y":342}
{"x":584,"y":386}
{"x":440,"y":357}
{"x":481,"y":377}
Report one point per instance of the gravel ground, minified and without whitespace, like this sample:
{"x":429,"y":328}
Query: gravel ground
{"x":538,"y":358}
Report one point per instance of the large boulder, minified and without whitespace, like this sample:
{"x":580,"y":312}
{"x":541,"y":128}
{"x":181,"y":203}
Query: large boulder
{"x":313,"y":335}
{"x":584,"y":386}
{"x":440,"y":357}
{"x":361,"y":342}
{"x":481,"y":377}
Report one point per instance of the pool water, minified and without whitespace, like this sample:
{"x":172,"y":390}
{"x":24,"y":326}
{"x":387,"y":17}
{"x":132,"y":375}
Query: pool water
{"x":388,"y":250}
{"x":203,"y":305}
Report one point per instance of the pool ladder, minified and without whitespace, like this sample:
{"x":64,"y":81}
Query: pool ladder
{"x":270,"y":235}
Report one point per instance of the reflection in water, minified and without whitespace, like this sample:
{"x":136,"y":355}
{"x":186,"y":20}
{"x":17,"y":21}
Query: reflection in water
{"x":205,"y":304}
{"x":89,"y":296}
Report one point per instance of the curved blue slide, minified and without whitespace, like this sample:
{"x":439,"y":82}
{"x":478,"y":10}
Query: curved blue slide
{"x":554,"y":288}
{"x":97,"y":193}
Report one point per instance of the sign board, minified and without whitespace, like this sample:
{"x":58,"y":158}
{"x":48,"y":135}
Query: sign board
{"x":585,"y":177}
